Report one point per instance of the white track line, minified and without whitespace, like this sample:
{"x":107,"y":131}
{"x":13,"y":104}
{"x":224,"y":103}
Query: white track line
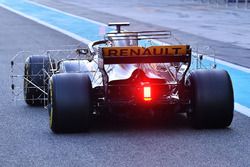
{"x":240,"y":108}
{"x":68,"y":14}
{"x":70,"y":34}
{"x":244,"y":69}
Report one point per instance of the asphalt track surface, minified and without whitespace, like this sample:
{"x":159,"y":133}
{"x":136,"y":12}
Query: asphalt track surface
{"x":148,"y":19}
{"x":83,"y":29}
{"x":26,"y":139}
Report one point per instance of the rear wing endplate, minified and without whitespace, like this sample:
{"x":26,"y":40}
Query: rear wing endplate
{"x":153,"y":54}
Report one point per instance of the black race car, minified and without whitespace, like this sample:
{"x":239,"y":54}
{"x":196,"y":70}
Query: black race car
{"x":122,"y":75}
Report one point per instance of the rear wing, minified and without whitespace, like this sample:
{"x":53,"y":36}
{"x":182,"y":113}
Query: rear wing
{"x":152,"y":54}
{"x":138,"y":35}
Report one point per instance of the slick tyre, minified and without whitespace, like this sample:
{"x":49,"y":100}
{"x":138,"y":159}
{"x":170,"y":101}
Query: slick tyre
{"x":70,"y":102}
{"x":212,"y":99}
{"x":36,"y":70}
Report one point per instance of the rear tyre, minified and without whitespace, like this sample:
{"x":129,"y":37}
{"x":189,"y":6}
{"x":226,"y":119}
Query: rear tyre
{"x":70,"y":102}
{"x":34,"y":71}
{"x":212,"y":99}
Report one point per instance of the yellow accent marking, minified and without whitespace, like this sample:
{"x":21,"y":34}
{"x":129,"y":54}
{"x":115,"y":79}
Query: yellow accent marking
{"x":141,"y":51}
{"x":51,"y":106}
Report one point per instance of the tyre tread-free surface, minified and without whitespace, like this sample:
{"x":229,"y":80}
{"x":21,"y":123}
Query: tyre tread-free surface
{"x":70,"y":102}
{"x":212,"y":99}
{"x":34,"y":72}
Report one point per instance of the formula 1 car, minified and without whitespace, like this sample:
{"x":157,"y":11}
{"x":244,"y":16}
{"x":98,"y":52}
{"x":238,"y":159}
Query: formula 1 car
{"x":124,"y":76}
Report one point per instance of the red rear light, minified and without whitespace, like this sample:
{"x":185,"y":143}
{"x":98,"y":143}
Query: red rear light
{"x":147,"y":93}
